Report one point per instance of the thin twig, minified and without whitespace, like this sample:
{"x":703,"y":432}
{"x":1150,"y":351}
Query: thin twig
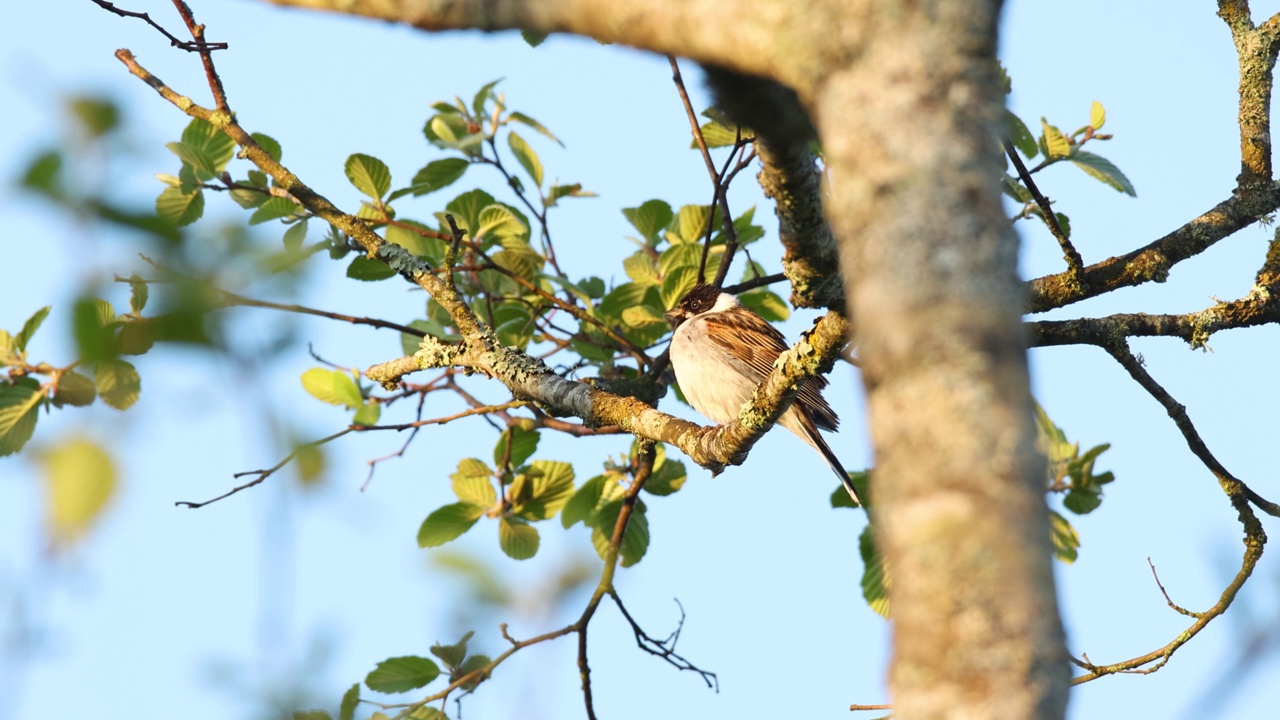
{"x":265,"y":473}
{"x":1075,"y":264}
{"x":173,"y":40}
{"x":1167,"y":599}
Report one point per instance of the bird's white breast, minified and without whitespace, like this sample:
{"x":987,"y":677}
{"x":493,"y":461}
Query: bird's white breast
{"x":713,"y":382}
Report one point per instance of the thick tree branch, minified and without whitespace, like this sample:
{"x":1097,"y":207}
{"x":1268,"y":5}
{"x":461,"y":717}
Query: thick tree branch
{"x":676,"y":27}
{"x":790,"y":177}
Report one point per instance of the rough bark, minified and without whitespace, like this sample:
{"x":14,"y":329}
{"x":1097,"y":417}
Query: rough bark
{"x":904,"y":98}
{"x":908,"y":131}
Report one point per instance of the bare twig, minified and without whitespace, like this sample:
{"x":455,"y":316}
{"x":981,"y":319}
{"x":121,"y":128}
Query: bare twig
{"x":1167,"y":599}
{"x":263,"y":474}
{"x":1074,"y":262}
{"x":186,"y":45}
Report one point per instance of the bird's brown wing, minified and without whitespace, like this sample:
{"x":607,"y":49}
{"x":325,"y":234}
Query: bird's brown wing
{"x":757,"y":344}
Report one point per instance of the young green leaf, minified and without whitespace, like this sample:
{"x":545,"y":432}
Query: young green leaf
{"x":552,"y":487}
{"x":1097,"y":115}
{"x":401,"y":674}
{"x":1021,"y":137}
{"x":678,"y":283}
{"x":526,"y":156}
{"x":581,"y":507}
{"x":716,"y":134}
{"x":366,"y":269}
{"x":533,"y":39}
{"x":650,"y":219}
{"x":518,"y":539}
{"x":519,"y":442}
{"x":118,"y":383}
{"x":766,"y":304}
{"x":691,"y":222}
{"x":80,"y":479}
{"x":438,"y":174}
{"x":294,"y":236}
{"x":452,"y":655}
{"x":448,"y":523}
{"x":1055,"y":142}
{"x":269,"y":144}
{"x":473,"y":483}
{"x":274,"y":209}
{"x":181,"y":209}
{"x":367,"y":414}
{"x":215,"y":145}
{"x":30,"y":327}
{"x":668,"y":477}
{"x":1066,"y":543}
{"x":19,"y":409}
{"x":350,"y":700}
{"x":332,"y":386}
{"x":635,"y":540}
{"x":875,"y":577}
{"x":74,"y":389}
{"x":526,"y":120}
{"x":368,"y":174}
{"x":1101,"y":169}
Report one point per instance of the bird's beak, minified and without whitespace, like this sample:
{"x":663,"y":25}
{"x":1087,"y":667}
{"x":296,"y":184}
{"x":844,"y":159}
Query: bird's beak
{"x":675,"y":316}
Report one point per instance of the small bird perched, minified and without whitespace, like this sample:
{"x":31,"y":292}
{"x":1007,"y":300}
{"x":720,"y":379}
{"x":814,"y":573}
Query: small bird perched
{"x":721,"y":352}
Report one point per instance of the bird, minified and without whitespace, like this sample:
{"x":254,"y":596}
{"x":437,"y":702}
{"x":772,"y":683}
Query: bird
{"x":722,"y":351}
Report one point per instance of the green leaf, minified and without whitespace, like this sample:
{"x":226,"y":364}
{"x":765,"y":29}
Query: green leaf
{"x":677,"y":284}
{"x":526,"y":120}
{"x":401,"y":674}
{"x":368,"y":174}
{"x":74,"y":389}
{"x":269,"y":144}
{"x":766,"y":304}
{"x":534,"y":39}
{"x":558,"y":191}
{"x":294,"y":236}
{"x":1101,"y":169}
{"x":639,"y":316}
{"x":521,"y":260}
{"x":1021,"y":137}
{"x":552,"y":488}
{"x":650,"y":219}
{"x":668,"y":476}
{"x":518,"y":539}
{"x":447,"y":523}
{"x":196,"y":158}
{"x":452,"y":655}
{"x":98,"y":116}
{"x":118,"y":383}
{"x":716,"y":134}
{"x":470,"y":665}
{"x":438,"y":174}
{"x":92,"y":324}
{"x":139,"y":292}
{"x":473,"y":483}
{"x":526,"y":156}
{"x":367,"y":414}
{"x":1082,"y":501}
{"x":366,"y":269}
{"x":1055,"y":143}
{"x":466,"y":208}
{"x":274,"y":209}
{"x":311,"y":715}
{"x":332,"y":386}
{"x":409,"y":343}
{"x":875,"y":577}
{"x":30,"y":327}
{"x":581,"y":507}
{"x":350,"y":700}
{"x":19,"y":409}
{"x":482,"y":96}
{"x":215,"y":145}
{"x":747,"y":231}
{"x":641,"y":268}
{"x":425,"y":712}
{"x":44,"y":174}
{"x":1097,"y":115}
{"x":1066,"y":543}
{"x":499,"y":221}
{"x":519,"y":441}
{"x":635,"y":540}
{"x":80,"y":479}
{"x":179,"y":208}
{"x":691,"y":222}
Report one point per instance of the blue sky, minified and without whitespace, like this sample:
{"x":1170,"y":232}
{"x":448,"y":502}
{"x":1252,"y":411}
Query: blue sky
{"x":204,"y":612}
